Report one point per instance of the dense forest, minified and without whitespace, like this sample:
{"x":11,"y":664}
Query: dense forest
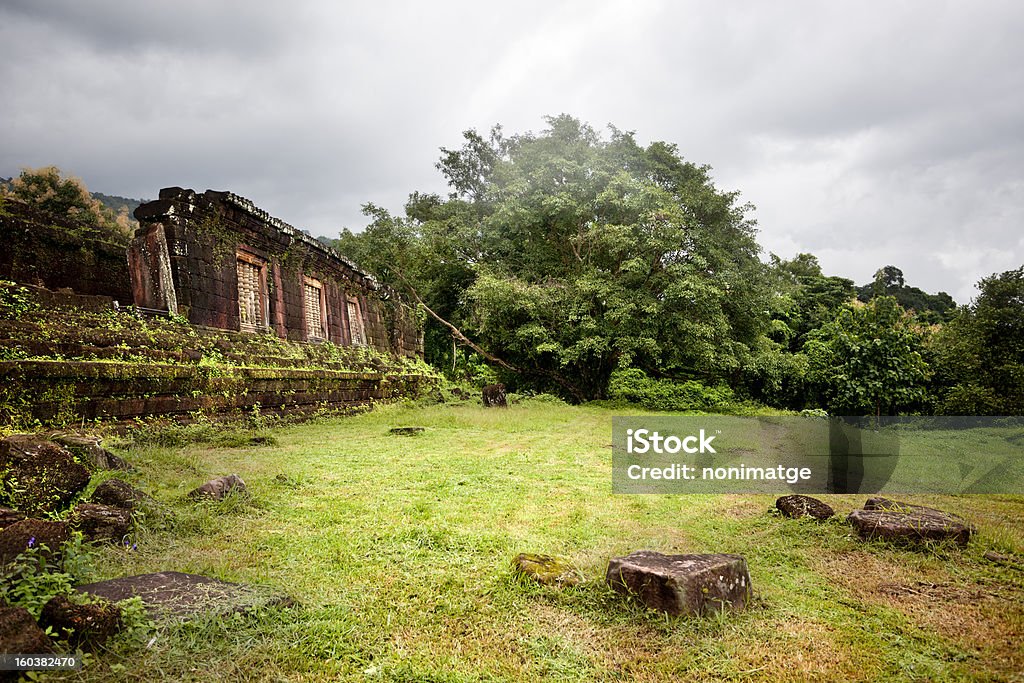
{"x":593,"y":267}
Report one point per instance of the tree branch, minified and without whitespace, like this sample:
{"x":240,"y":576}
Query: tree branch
{"x":456,"y":332}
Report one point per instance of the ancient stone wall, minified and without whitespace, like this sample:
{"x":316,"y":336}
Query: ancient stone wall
{"x":222,"y":262}
{"x":62,"y":392}
{"x":45,"y":251}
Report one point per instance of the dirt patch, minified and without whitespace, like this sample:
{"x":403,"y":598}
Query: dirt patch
{"x":742,"y":507}
{"x":987,"y":619}
{"x":615,"y":648}
{"x":803,"y":650}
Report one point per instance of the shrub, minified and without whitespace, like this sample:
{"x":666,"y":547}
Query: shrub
{"x":633,"y":385}
{"x":15,"y":300}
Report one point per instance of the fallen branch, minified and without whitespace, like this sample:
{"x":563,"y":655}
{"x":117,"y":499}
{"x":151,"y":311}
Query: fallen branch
{"x":456,"y":332}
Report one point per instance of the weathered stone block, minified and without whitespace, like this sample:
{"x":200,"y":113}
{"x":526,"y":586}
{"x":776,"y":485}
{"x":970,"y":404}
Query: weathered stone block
{"x":913,"y":528}
{"x":407,"y":431}
{"x":19,"y":633}
{"x":89,"y":448}
{"x":39,"y":475}
{"x":119,"y":494}
{"x":85,"y":626}
{"x":101,"y":522}
{"x":682,"y":584}
{"x":9,"y":517}
{"x":18,"y":537}
{"x":799,"y":506}
{"x":174,"y":595}
{"x":219,"y":488}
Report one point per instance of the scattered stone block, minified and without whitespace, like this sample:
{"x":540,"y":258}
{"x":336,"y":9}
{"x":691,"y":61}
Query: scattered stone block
{"x":101,"y":522}
{"x":407,"y":431}
{"x":89,"y":448}
{"x":18,"y":537}
{"x":86,"y":626}
{"x":494,"y":396}
{"x":219,"y":488}
{"x":547,"y":569}
{"x":119,"y":494}
{"x":38,"y":475}
{"x":889,"y":505}
{"x":178,"y":596}
{"x":914,"y":526}
{"x":1005,"y":560}
{"x":804,"y":506}
{"x":683,"y":584}
{"x":9,"y":517}
{"x":19,"y":633}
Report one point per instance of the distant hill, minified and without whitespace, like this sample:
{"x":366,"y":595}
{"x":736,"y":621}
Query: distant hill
{"x":115,"y":202}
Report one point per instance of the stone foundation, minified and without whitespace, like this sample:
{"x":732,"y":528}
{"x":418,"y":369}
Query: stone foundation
{"x":54,"y":391}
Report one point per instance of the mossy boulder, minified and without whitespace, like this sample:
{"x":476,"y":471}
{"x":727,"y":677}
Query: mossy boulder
{"x":547,"y":569}
{"x":85,"y":626}
{"x":31,"y":533}
{"x":101,"y":522}
{"x":38,"y":476}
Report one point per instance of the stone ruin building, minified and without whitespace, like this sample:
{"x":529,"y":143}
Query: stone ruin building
{"x":259,"y":294}
{"x":221,"y":262}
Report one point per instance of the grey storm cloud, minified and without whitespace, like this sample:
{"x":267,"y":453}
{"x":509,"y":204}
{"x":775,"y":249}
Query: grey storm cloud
{"x":867,"y":133}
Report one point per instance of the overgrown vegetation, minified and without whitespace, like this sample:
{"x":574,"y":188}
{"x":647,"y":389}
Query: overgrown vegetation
{"x":398,"y":553}
{"x":41,"y":573}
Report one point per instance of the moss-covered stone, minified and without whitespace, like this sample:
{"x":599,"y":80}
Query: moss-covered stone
{"x":547,"y":569}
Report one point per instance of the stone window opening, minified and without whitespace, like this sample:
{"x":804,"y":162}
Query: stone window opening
{"x":315,"y":309}
{"x":252,"y":293}
{"x":356,"y":331}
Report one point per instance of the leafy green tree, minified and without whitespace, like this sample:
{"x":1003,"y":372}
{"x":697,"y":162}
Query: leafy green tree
{"x":805,"y":298}
{"x":929,"y":308}
{"x":567,"y":255}
{"x":869,"y":360}
{"x":979,"y":356}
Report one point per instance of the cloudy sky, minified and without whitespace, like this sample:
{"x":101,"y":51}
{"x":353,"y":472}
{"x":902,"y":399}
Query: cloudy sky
{"x":868,"y":133}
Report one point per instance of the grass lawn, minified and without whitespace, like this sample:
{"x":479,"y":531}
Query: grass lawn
{"x":398,"y":551}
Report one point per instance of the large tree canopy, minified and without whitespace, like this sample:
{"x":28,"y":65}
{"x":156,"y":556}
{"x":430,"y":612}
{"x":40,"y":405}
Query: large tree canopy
{"x":567,"y":255}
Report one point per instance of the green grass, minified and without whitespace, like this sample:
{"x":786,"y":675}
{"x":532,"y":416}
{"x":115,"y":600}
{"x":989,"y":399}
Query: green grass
{"x":399,"y":549}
